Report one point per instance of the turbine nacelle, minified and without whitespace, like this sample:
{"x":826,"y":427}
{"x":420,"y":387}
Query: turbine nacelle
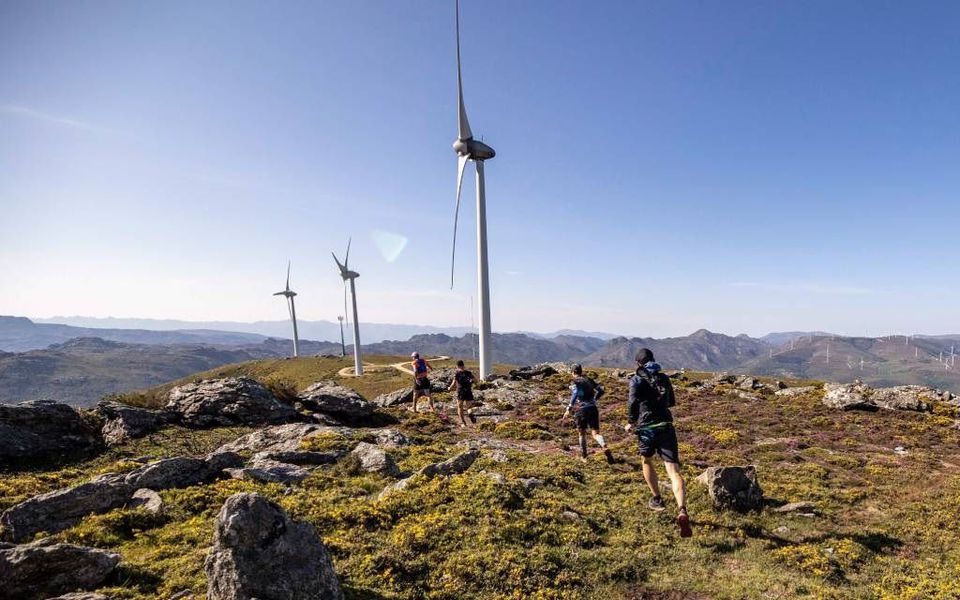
{"x":287,"y":293}
{"x":474,"y":149}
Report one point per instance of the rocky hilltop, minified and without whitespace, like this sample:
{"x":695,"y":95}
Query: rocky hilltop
{"x":270,"y":483}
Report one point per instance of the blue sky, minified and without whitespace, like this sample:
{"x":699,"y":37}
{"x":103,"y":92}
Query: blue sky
{"x":745,"y":167}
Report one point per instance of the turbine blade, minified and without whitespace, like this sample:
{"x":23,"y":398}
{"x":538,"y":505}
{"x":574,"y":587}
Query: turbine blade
{"x":288,"y":274}
{"x":339,"y":266}
{"x":461,"y":167}
{"x":290,"y":307}
{"x":463,"y":125}
{"x":346,"y":259}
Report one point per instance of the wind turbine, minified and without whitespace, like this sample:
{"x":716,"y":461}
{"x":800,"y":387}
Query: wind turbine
{"x":467,"y":149}
{"x":347,"y":275}
{"x":343,"y":345}
{"x":290,"y":294}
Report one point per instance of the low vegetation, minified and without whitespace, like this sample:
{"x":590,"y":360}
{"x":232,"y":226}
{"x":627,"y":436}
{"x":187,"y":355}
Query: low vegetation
{"x":884,"y":523}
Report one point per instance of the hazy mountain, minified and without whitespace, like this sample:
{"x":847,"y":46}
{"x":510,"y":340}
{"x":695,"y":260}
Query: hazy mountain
{"x":779,"y":338}
{"x":511,"y":348}
{"x":313,"y":330}
{"x":878,"y":361}
{"x":19,"y":334}
{"x":702,"y":350}
{"x":82,"y":370}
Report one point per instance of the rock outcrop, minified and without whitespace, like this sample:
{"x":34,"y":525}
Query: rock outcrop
{"x":270,"y":471}
{"x":123,"y":423}
{"x":848,"y":396}
{"x":333,"y":399}
{"x":533,"y":372}
{"x":259,"y":552}
{"x":41,"y":429}
{"x":229,"y":401}
{"x":280,"y":438}
{"x":181,"y":471}
{"x":401,"y":396}
{"x":60,"y":509}
{"x":44,"y":569}
{"x":858,"y":395}
{"x":454,"y":466}
{"x":373,"y":459}
{"x":57,"y":510}
{"x":733,"y":488}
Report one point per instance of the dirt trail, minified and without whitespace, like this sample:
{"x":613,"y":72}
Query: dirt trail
{"x":403,"y":367}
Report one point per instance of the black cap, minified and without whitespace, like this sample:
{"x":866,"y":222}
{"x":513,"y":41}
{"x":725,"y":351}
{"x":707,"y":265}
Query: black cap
{"x":644,"y":355}
{"x":578,"y":369}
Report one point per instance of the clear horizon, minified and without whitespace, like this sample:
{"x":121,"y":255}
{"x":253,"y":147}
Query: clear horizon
{"x":745,"y":168}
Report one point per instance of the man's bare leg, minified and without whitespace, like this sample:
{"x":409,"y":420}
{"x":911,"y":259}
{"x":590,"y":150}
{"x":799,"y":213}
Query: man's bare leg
{"x":650,"y":475}
{"x":583,"y":443}
{"x":677,"y":483}
{"x":463,"y":422}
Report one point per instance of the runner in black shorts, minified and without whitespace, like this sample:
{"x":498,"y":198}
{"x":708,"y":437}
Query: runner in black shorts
{"x":583,"y":399}
{"x":651,"y":396}
{"x":463,"y":383}
{"x":421,"y":383}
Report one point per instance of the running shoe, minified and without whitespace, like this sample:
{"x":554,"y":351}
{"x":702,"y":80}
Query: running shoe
{"x":609,"y":455}
{"x":656,"y":504}
{"x":684,"y":522}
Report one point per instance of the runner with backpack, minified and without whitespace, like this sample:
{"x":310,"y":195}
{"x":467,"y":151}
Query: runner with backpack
{"x":651,"y":397}
{"x":421,"y":384}
{"x":583,"y":401}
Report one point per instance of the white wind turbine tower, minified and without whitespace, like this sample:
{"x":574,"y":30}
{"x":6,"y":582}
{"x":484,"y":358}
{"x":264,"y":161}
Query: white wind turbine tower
{"x":347,"y":275}
{"x":468,"y":149}
{"x":290,"y":294}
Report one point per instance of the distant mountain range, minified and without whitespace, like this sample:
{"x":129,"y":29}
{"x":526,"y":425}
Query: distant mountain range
{"x":79,"y":365}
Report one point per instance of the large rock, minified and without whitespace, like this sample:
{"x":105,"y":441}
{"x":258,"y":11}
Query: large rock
{"x":182,"y":471}
{"x":334,"y":399}
{"x":388,"y":438}
{"x":123,"y":423}
{"x":534,"y":372}
{"x":858,"y":395}
{"x":792,"y":392}
{"x":60,"y":509}
{"x":259,"y":552}
{"x":395,"y":397}
{"x":373,"y":459}
{"x":905,"y":397}
{"x":42,"y":429}
{"x":280,"y":438}
{"x":44,"y":569}
{"x":301,"y":457}
{"x":454,"y":466}
{"x":270,"y":471}
{"x":848,"y":396}
{"x":733,"y":488}
{"x":229,"y":401}
{"x":441,"y":379}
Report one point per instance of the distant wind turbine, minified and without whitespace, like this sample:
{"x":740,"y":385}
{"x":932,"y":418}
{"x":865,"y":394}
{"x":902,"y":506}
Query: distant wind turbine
{"x":290,"y":294}
{"x":467,"y":149}
{"x":347,"y":275}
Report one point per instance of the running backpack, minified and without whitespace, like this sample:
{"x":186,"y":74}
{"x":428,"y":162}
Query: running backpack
{"x":420,"y":366}
{"x":661,"y":386}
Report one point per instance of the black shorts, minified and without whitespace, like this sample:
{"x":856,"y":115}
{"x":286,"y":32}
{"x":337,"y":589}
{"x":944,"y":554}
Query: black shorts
{"x":659,"y":440}
{"x":464,"y":396}
{"x":421,"y":387}
{"x":587,"y":417}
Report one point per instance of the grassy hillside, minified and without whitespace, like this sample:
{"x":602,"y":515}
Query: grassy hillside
{"x":295,"y":374}
{"x":885,"y":523}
